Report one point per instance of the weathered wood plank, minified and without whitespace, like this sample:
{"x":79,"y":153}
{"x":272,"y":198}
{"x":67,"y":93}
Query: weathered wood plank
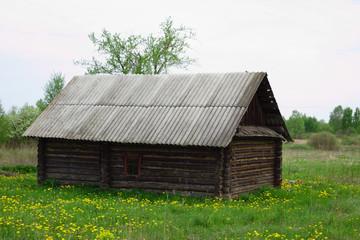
{"x":252,"y":181}
{"x":162,"y":186}
{"x":77,"y":156}
{"x":41,"y":167}
{"x":249,"y":188}
{"x":64,"y":176}
{"x":163,"y":149}
{"x":104,"y":168}
{"x":73,"y":165}
{"x":76,"y":182}
{"x":84,"y":171}
{"x":73,"y":160}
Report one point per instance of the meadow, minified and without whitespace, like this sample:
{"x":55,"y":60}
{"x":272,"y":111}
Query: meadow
{"x":319,"y":199}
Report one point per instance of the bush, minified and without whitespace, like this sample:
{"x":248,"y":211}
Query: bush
{"x":351,"y":140}
{"x":324,"y":141}
{"x":19,"y":120}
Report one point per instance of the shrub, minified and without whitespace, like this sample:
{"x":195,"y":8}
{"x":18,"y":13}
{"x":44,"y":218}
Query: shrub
{"x":324,"y":141}
{"x":351,"y":140}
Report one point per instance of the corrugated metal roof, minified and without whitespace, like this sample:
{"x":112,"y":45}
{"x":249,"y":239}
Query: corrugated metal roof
{"x":257,"y":131}
{"x":181,"y":109}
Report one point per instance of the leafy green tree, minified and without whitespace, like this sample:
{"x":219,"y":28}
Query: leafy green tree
{"x":51,"y":89}
{"x":336,"y":117}
{"x":324,"y":127}
{"x":295,"y":124}
{"x":141,"y":55}
{"x":19,"y":120}
{"x":356,"y":120}
{"x":4,"y":126}
{"x":311,"y":124}
{"x":347,"y":119}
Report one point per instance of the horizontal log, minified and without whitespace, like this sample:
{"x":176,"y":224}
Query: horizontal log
{"x":72,"y":143}
{"x":162,"y":186}
{"x":164,"y":168}
{"x":116,"y":166}
{"x":183,"y":193}
{"x":77,"y":156}
{"x":184,"y":166}
{"x":249,"y":162}
{"x":247,"y":172}
{"x":76,"y":182}
{"x":84,"y":171}
{"x":246,"y":189}
{"x":163,"y":148}
{"x":235,"y":177}
{"x":252,"y":166}
{"x":248,"y":154}
{"x":252,"y":148}
{"x":73,"y":165}
{"x":252,"y":181}
{"x":74,"y":160}
{"x":70,"y":149}
{"x":64,"y":176}
{"x":166,"y":180}
{"x":177,"y":174}
{"x":167,"y":159}
{"x":161,"y":174}
{"x":181,"y":157}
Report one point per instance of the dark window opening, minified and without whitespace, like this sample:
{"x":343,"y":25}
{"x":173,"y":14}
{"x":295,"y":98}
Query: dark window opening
{"x":132,"y":164}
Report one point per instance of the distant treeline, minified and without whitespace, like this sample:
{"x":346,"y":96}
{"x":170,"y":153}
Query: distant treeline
{"x":15,"y":122}
{"x":342,"y":122}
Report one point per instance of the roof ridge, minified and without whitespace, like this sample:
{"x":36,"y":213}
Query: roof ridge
{"x":148,"y":106}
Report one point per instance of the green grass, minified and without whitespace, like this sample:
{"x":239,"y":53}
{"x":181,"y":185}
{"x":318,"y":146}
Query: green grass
{"x":19,"y":168}
{"x":319,"y":199}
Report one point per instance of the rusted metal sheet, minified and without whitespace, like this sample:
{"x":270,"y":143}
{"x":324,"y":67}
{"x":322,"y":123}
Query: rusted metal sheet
{"x":181,"y":109}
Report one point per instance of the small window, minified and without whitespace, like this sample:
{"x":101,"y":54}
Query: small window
{"x":132,"y":164}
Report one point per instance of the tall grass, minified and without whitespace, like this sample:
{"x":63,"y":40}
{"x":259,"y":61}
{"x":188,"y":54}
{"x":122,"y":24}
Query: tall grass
{"x":319,"y":199}
{"x":25,"y":154}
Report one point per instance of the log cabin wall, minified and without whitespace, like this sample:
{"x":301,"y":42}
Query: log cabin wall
{"x":254,"y":115}
{"x":185,"y":170}
{"x":254,"y":162}
{"x":70,"y":162}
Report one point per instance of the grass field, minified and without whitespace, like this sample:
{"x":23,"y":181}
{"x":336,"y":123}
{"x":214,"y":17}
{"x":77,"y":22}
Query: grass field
{"x":319,"y":199}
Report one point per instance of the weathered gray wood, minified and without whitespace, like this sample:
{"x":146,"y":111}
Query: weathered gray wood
{"x":218,"y":178}
{"x":253,"y":164}
{"x":83,"y":171}
{"x":163,"y":186}
{"x":278,"y":164}
{"x":246,"y":189}
{"x":226,"y":171}
{"x":41,"y":167}
{"x":78,"y":177}
{"x":73,"y":165}
{"x":252,"y":181}
{"x":76,"y":182}
{"x":104,"y":169}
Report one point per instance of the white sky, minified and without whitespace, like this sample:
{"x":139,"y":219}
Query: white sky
{"x":310,"y":49}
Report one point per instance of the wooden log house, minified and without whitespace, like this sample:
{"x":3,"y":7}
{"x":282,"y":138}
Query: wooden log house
{"x":193,"y":134}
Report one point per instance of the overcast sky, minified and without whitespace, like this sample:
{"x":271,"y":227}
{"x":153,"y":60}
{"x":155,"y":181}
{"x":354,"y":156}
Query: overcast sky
{"x":310,"y":49}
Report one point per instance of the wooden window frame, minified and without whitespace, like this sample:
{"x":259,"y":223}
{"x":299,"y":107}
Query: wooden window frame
{"x":139,"y":165}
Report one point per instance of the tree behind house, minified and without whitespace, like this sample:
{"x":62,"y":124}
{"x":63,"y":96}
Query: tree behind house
{"x":51,"y":90}
{"x":141,"y":55}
